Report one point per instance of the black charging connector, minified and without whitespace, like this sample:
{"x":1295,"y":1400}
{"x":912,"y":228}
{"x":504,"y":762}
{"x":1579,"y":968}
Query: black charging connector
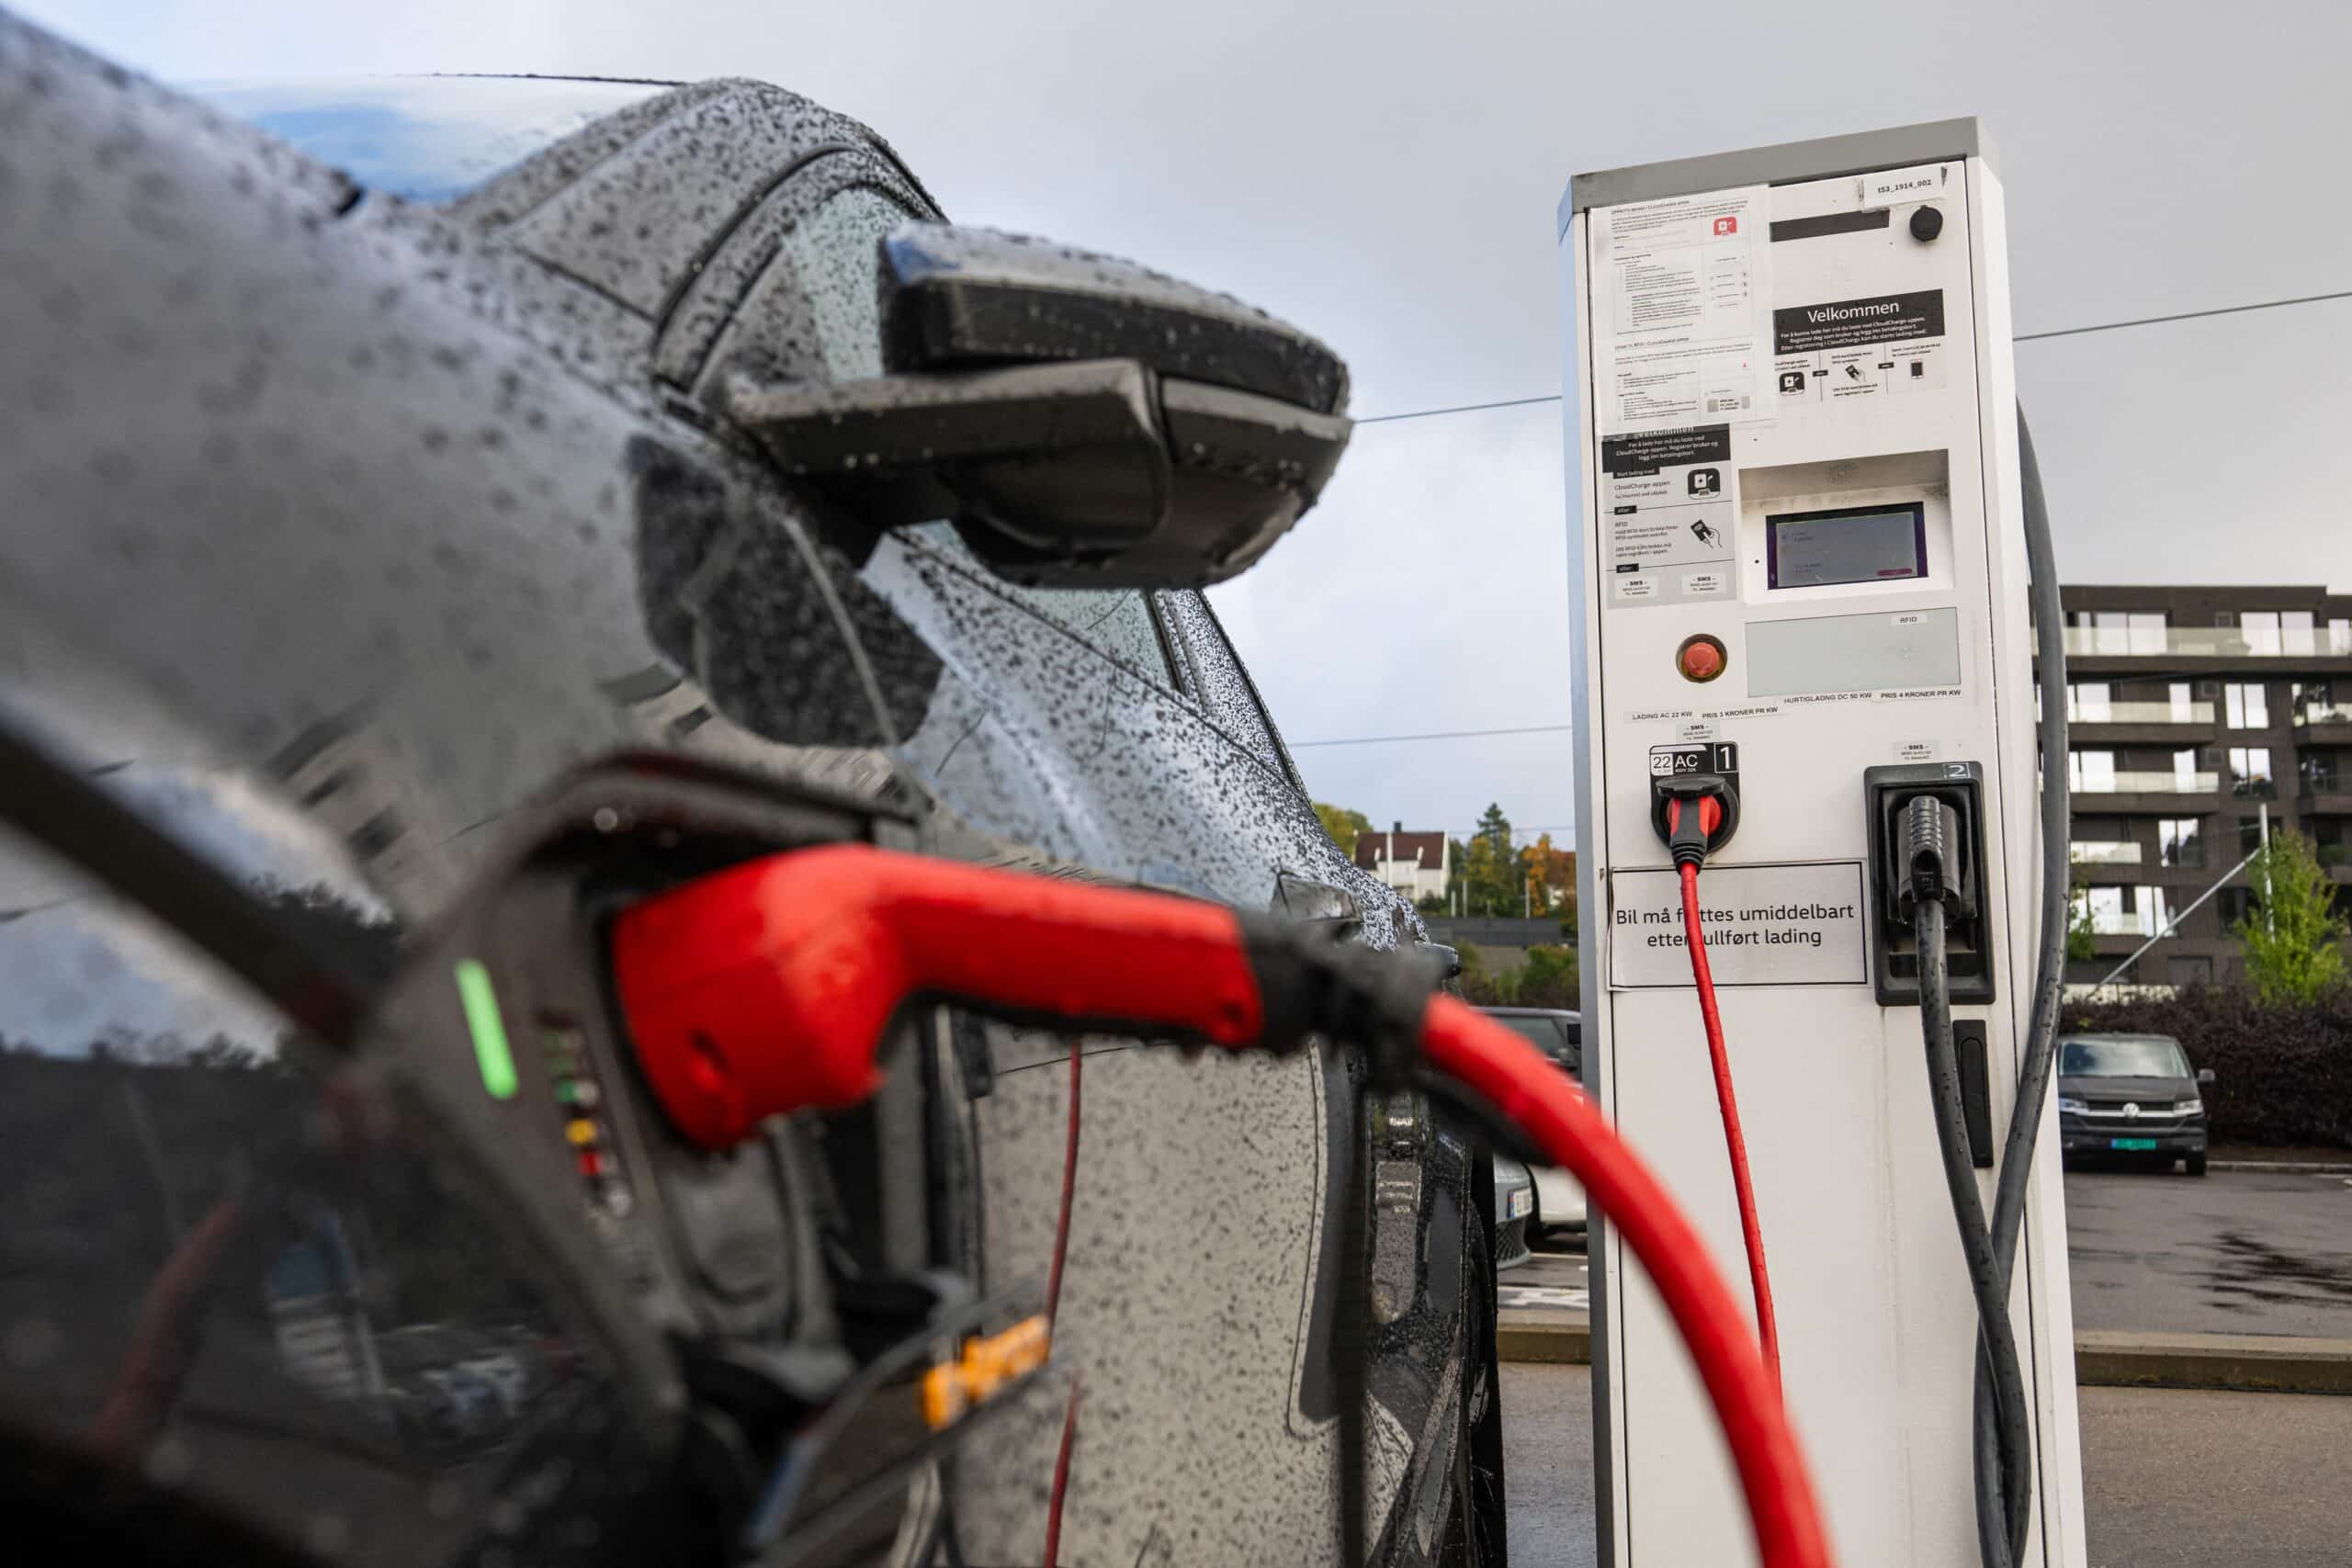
{"x":1927,"y":843}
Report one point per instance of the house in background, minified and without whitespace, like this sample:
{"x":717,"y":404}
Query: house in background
{"x":1416,"y":864}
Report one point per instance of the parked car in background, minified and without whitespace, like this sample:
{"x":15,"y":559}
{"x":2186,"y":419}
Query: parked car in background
{"x":1514,"y":1204}
{"x":2131,"y":1097}
{"x":1559,"y":1034}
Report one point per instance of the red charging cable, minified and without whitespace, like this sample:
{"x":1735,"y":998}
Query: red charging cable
{"x":1735,"y":1141}
{"x":768,"y":989}
{"x":1061,"y":1493}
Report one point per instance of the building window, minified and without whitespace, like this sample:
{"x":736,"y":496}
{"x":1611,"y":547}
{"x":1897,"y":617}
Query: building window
{"x":2247,"y":705}
{"x":2250,"y":770}
{"x":2183,"y":701}
{"x":2331,"y":842}
{"x":2235,"y":904}
{"x":2091,"y":772}
{"x":2277,"y":631}
{"x":2323,"y":773}
{"x":2121,"y":911}
{"x":2180,"y":841}
{"x":2117,"y":631}
{"x":2089,"y":702}
{"x":2106,"y":907}
{"x":2186,"y":972}
{"x":2339,"y":636}
{"x":2184,"y":770}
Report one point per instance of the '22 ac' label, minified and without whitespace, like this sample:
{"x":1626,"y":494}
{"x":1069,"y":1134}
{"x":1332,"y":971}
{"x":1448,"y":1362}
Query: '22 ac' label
{"x":1715,"y":757}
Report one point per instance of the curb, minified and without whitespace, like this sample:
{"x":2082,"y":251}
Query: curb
{"x":2291,"y":1167}
{"x":2251,"y":1363}
{"x":1546,"y":1337}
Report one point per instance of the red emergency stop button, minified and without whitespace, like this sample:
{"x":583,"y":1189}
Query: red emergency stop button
{"x":1701,"y":657}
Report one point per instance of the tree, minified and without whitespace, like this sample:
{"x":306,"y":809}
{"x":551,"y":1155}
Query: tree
{"x":1552,"y":881}
{"x":1343,"y":825}
{"x":2080,"y":930}
{"x":1491,"y":869}
{"x":2294,"y":936}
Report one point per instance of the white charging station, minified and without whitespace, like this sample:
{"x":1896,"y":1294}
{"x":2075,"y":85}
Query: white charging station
{"x":1797,"y":553}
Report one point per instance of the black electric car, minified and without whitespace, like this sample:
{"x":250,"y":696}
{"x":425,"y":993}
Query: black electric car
{"x":438,"y":512}
{"x":2131,"y":1098}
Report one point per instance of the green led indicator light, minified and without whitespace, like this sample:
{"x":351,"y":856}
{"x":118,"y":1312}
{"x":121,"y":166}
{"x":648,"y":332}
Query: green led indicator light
{"x":491,"y":1051}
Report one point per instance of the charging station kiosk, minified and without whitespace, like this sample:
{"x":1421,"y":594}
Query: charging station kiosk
{"x":1798,"y":563}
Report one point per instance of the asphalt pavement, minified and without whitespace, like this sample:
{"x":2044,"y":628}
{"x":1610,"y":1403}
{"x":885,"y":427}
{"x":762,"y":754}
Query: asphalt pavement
{"x":2236,"y":1252}
{"x":2171,"y":1478}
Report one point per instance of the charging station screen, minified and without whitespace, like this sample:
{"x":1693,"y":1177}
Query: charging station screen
{"x":1853,"y":544}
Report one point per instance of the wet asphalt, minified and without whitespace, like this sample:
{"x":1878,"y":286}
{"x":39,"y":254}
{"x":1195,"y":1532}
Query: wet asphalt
{"x":2234,"y":1252}
{"x":2171,"y":1478}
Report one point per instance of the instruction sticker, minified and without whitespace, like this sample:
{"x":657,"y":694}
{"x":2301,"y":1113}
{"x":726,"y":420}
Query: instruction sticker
{"x":1680,"y":309}
{"x":1794,"y":924}
{"x":1667,"y":510}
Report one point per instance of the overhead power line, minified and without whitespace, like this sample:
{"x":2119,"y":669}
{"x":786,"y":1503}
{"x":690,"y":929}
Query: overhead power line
{"x":1433,"y":735}
{"x":2021,"y":337}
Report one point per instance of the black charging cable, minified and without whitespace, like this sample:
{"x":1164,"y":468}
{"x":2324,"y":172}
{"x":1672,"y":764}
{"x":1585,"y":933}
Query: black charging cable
{"x":2003,"y":1461}
{"x":1930,"y":889}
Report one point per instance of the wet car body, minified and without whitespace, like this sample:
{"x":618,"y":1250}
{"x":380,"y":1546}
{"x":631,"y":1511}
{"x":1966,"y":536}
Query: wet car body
{"x":344,"y":526}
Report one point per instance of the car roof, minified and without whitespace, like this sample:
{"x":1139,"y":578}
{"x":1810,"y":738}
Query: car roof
{"x":427,"y":138}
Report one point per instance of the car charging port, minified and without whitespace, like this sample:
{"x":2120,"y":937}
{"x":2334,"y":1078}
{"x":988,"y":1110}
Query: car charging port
{"x":1928,"y":843}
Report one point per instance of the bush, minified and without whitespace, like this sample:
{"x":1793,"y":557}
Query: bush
{"x":2282,"y":1074}
{"x":1547,"y":979}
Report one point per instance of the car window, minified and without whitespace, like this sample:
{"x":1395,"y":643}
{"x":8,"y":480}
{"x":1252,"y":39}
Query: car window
{"x":1117,"y":622}
{"x":2121,"y":1056}
{"x":833,"y":251}
{"x":224,"y":1270}
{"x":1224,"y":686}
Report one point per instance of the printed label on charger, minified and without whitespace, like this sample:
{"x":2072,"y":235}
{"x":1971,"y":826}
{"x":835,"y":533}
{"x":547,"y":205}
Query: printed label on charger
{"x":1793,"y":924}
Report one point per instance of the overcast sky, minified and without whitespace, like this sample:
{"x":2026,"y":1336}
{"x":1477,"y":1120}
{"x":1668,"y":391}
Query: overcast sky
{"x":1387,"y":175}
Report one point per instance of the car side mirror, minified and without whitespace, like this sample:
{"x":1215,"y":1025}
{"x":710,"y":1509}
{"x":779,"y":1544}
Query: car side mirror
{"x":1083,"y":421}
{"x":2204,"y":1076}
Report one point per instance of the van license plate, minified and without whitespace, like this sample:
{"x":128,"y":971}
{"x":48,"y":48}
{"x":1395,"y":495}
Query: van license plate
{"x":2131,"y":1143}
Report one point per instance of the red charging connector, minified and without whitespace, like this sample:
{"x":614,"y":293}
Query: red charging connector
{"x":769,"y":988}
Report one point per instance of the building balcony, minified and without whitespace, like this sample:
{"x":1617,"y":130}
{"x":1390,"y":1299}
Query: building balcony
{"x":2327,"y":797}
{"x":2197,"y":714}
{"x":2207,"y":642}
{"x":2124,"y":922}
{"x":2150,"y":783}
{"x":2094,"y":853}
{"x":2323,"y":723}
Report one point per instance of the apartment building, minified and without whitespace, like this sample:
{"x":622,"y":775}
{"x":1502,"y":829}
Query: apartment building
{"x":2191,"y":712}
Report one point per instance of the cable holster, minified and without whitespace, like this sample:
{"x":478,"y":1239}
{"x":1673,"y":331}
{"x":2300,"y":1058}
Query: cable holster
{"x":1693,"y":814}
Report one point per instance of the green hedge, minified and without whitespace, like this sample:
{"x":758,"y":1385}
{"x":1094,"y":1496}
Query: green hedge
{"x":2282,"y":1074}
